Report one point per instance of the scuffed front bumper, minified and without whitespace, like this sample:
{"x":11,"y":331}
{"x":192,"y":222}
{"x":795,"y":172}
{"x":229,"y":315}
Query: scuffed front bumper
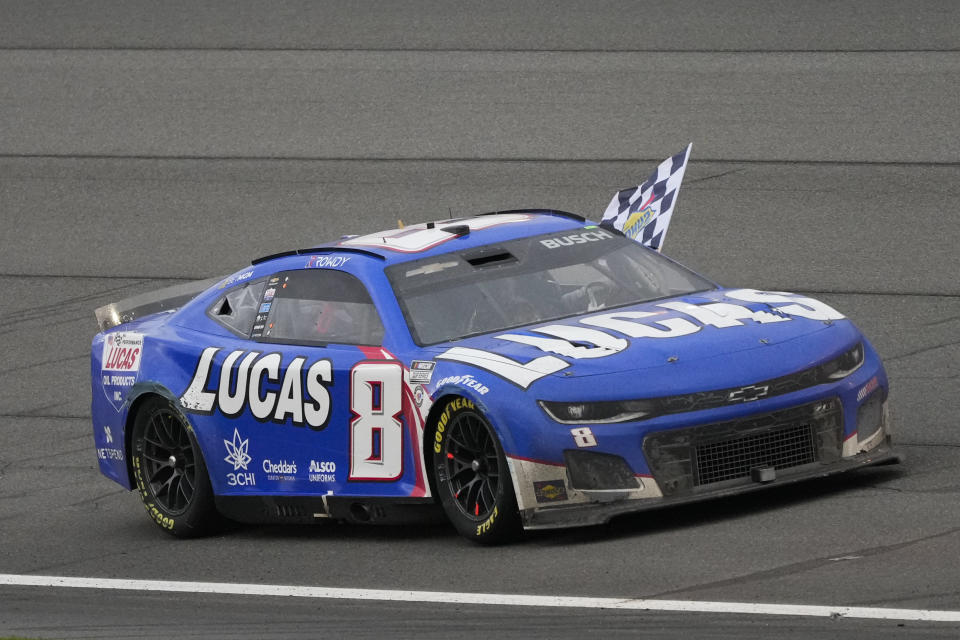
{"x":598,"y":509}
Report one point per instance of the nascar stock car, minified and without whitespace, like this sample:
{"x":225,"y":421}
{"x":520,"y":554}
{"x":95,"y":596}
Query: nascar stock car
{"x":525,"y":369}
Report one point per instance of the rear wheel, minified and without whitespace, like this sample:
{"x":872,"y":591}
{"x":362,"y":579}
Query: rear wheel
{"x":169,"y":471}
{"x":472,"y":476}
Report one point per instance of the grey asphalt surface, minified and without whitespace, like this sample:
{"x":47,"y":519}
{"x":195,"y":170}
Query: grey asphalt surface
{"x":142,"y":144}
{"x":491,"y":105}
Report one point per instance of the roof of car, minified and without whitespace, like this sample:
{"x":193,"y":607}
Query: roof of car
{"x":440,"y":236}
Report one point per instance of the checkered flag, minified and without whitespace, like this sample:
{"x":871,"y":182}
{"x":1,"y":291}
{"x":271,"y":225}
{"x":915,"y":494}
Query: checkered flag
{"x":643,"y":213}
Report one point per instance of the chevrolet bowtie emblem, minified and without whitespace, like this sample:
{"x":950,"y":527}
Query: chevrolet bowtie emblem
{"x":748,"y":394}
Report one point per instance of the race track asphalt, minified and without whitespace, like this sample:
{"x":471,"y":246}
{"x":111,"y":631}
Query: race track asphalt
{"x":145,"y":144}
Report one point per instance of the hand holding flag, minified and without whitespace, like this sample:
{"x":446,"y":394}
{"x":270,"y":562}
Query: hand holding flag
{"x":643,"y":212}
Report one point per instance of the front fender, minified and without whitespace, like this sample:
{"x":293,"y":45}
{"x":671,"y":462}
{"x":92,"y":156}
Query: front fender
{"x":138,"y":393}
{"x":493,"y":413}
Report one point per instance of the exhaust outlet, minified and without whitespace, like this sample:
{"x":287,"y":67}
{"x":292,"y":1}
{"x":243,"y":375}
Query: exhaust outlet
{"x":360,"y":512}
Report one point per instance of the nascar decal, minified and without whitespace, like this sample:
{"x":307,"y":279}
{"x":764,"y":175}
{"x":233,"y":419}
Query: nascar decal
{"x":421,"y":371}
{"x":598,"y":339}
{"x":421,"y":237}
{"x":120,"y":365}
{"x":295,"y":392}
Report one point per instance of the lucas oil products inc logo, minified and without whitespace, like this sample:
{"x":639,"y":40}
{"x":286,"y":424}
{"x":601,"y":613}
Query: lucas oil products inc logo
{"x":120,"y":365}
{"x":122,"y":351}
{"x":238,"y":454}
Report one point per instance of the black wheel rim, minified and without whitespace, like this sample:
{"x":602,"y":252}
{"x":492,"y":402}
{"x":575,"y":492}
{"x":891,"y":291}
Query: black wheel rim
{"x":169,"y":462}
{"x":472,"y":465}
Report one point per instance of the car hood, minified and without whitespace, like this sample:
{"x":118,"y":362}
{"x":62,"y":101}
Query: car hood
{"x":707,"y":340}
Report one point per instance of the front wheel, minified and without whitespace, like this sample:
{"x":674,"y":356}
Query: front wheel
{"x":169,"y":471}
{"x":472,"y":476}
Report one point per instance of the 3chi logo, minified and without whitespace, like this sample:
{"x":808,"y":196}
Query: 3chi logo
{"x":238,"y":455}
{"x":749,"y":394}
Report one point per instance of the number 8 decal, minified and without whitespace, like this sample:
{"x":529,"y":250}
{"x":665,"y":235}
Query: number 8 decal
{"x":376,"y":434}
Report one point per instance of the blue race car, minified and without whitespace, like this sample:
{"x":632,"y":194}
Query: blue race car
{"x":525,"y":369}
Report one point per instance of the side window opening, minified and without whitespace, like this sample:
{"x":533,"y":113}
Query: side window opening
{"x":238,"y":307}
{"x":318,"y":306}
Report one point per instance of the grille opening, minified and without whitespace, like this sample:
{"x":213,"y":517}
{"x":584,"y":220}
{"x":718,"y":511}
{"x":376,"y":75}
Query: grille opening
{"x":782,"y":448}
{"x":684,"y":460}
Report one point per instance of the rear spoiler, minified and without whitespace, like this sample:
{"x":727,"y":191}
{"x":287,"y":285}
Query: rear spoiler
{"x":167,"y":299}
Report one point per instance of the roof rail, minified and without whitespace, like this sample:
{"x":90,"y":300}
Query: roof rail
{"x":328,"y":249}
{"x":282,"y":254}
{"x":454,"y":229}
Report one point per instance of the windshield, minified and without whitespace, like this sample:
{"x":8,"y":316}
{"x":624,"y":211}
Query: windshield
{"x":545,"y":277}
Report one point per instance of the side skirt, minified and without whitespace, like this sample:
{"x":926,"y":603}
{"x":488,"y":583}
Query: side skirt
{"x":315,"y":509}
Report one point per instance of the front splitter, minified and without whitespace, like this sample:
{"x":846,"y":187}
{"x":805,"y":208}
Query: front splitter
{"x":579,"y":515}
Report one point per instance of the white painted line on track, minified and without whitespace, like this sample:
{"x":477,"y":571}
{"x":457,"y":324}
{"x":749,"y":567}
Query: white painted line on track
{"x":495,"y":599}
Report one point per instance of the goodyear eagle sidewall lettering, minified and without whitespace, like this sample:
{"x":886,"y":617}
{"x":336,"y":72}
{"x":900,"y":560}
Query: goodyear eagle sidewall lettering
{"x":454,"y":406}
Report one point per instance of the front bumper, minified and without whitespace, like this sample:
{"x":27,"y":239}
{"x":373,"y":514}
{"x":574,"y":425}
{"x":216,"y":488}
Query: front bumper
{"x":591,"y":513}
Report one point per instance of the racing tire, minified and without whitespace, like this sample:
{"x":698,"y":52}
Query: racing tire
{"x":472,"y":477}
{"x":169,"y":472}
